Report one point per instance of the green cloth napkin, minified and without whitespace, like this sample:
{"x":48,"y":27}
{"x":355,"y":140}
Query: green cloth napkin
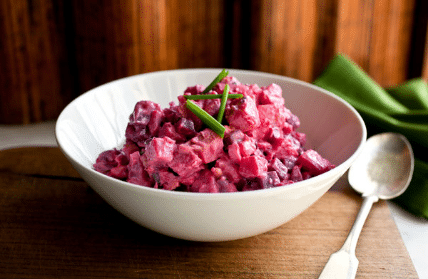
{"x":402,"y":109}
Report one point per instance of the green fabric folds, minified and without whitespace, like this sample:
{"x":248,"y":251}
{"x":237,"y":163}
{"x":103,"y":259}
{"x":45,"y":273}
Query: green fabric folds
{"x":402,"y":109}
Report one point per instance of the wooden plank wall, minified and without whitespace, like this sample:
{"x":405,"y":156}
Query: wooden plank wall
{"x":51,"y":51}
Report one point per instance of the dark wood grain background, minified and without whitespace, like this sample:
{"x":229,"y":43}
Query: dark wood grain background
{"x":51,"y":51}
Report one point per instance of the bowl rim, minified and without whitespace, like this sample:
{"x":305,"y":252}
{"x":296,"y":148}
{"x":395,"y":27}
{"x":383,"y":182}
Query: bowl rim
{"x":339,"y":169}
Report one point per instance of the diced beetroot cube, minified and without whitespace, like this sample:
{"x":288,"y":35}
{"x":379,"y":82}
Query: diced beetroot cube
{"x":235,"y":136}
{"x":156,"y":118}
{"x":233,"y":83}
{"x":296,"y":175}
{"x":286,"y":114}
{"x":230,"y":80}
{"x":301,"y":137}
{"x":121,"y":159}
{"x":189,"y":179}
{"x":139,"y":119}
{"x":143,"y":108}
{"x":194,"y":90}
{"x":129,"y":147}
{"x":197,"y":122}
{"x":106,"y":161}
{"x":251,"y":91}
{"x":289,"y":161}
{"x":185,"y":127}
{"x":295,"y":139}
{"x":182,"y":100}
{"x":158,"y":153}
{"x":270,"y":180}
{"x":205,"y":183}
{"x":120,"y":172}
{"x":286,"y":147}
{"x":306,"y":175}
{"x":136,"y":172}
{"x":271,"y":94}
{"x":234,"y":152}
{"x":226,"y":186}
{"x":274,"y":136}
{"x":272,"y":90}
{"x":311,"y":161}
{"x":259,"y":133}
{"x":271,"y":114}
{"x":228,"y":131}
{"x":294,"y":121}
{"x":240,"y":89}
{"x":251,"y":185}
{"x":265,"y":98}
{"x":255,"y":88}
{"x":243,"y":114}
{"x":137,"y":133}
{"x":212,"y":106}
{"x":168,"y":180}
{"x":260,"y":153}
{"x":134,"y":158}
{"x":279,"y":168}
{"x":168,"y":130}
{"x":283,"y":114}
{"x":264,"y":146}
{"x":287,"y":128}
{"x":219,"y":87}
{"x":185,"y":161}
{"x":228,"y":169}
{"x":265,"y":149}
{"x":247,"y":147}
{"x":142,"y":111}
{"x":172,"y":114}
{"x":253,"y":166}
{"x":208,"y":145}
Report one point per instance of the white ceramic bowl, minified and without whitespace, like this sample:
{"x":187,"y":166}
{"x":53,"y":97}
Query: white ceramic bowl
{"x":96,"y":121}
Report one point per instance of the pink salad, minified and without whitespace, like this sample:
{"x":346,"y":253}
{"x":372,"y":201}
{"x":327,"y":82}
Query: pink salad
{"x":173,"y":149}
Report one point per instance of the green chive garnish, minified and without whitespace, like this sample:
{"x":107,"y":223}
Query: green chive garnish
{"x":210,"y":121}
{"x":220,"y":76}
{"x":223,"y":103}
{"x":212,"y":96}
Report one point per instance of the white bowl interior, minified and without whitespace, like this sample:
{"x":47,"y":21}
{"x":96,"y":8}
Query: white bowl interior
{"x":96,"y":121}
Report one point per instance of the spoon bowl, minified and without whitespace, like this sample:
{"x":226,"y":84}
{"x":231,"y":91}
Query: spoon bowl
{"x":383,"y":170}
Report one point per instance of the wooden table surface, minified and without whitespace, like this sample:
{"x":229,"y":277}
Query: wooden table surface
{"x":52,"y":225}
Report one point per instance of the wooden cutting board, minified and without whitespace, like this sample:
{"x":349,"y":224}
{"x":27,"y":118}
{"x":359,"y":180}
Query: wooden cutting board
{"x":52,"y":225}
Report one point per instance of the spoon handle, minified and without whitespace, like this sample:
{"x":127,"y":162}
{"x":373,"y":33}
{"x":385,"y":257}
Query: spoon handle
{"x":344,"y":263}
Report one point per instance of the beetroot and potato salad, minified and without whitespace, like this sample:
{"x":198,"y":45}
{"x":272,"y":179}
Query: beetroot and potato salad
{"x":227,"y":137}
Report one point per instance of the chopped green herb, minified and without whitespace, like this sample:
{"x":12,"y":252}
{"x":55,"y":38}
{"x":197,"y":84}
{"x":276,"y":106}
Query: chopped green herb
{"x":210,"y":121}
{"x":223,"y":103}
{"x":212,"y":96}
{"x":220,"y":76}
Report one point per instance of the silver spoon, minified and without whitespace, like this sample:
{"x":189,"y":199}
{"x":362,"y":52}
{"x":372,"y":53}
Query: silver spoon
{"x":382,"y":171}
